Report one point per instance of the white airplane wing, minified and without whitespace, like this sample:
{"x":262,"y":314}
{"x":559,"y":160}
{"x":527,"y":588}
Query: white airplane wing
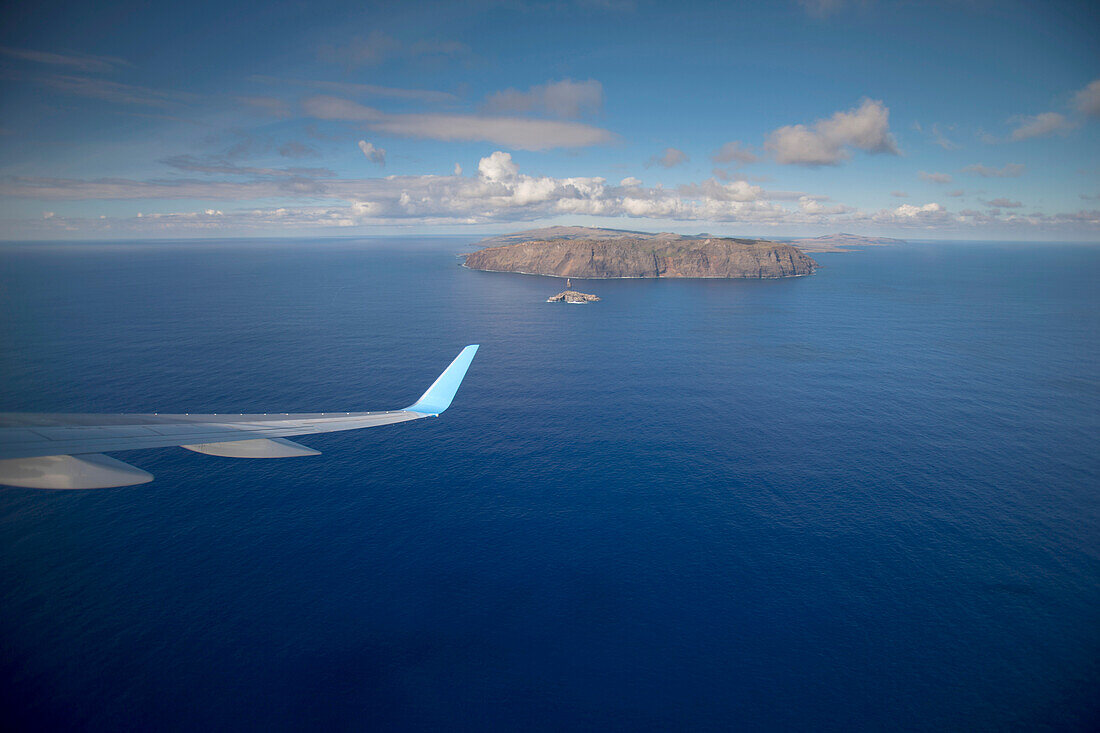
{"x":65,"y":451}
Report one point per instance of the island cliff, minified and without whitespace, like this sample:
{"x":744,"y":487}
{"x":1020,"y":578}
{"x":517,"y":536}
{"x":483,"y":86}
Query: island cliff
{"x":640,"y":255}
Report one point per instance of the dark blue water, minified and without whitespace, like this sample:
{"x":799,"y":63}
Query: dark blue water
{"x":867,"y":499}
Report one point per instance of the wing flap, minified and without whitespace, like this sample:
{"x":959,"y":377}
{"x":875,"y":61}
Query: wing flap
{"x":258,"y":448}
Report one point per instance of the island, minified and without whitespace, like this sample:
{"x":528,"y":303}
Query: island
{"x":841,"y":242}
{"x":572,"y":296}
{"x":585,"y":252}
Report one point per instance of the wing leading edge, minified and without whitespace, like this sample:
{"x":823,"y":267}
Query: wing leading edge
{"x":63,"y":451}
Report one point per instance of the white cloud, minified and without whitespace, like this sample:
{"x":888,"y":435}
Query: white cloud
{"x":497,"y":167}
{"x":911,"y":211}
{"x":499,"y":192}
{"x":565,"y":98}
{"x":514,"y":132}
{"x":458,"y":169}
{"x":669,"y":158}
{"x":733,"y":152}
{"x":908,"y":216}
{"x":1009,"y":170}
{"x":1087,"y":100}
{"x":1041,"y":125}
{"x":375,"y":155}
{"x":811,"y":205}
{"x":935,"y":177}
{"x":827,"y":141}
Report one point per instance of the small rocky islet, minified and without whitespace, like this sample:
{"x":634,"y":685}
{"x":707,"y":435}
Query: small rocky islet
{"x":572,"y":296}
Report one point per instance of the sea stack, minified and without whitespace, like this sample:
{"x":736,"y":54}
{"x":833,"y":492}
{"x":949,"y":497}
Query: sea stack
{"x":572,"y":296}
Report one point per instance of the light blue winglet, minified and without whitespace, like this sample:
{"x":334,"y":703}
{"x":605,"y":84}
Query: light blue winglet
{"x":439,"y":395}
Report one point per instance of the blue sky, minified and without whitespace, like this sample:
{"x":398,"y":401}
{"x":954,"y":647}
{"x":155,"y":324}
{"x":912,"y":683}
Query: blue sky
{"x":975,"y":120}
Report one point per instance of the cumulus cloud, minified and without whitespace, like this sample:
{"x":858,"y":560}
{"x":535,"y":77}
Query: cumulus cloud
{"x":632,"y":182}
{"x":733,"y":152}
{"x":1087,"y":100}
{"x":935,"y":177}
{"x":497,"y":167}
{"x":565,"y":98}
{"x":668,"y":158}
{"x":812,"y":205}
{"x":931,"y":213}
{"x":515,"y":132}
{"x":828,"y":141}
{"x":1009,"y":170}
{"x":1041,"y":125}
{"x":375,"y":155}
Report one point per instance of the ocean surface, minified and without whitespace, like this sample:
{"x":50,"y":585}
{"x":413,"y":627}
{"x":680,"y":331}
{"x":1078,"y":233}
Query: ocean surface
{"x":863,"y":500}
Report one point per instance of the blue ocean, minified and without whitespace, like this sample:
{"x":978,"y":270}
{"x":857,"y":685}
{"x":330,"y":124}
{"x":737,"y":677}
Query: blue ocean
{"x":863,"y":500}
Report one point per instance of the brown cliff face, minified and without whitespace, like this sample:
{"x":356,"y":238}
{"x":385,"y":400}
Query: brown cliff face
{"x":646,"y":256}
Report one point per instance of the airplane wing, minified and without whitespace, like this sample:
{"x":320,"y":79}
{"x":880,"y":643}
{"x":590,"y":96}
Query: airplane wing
{"x":65,"y":451}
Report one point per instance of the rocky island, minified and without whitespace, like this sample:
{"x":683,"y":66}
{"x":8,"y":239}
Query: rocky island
{"x":608,"y":253}
{"x":572,"y":296}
